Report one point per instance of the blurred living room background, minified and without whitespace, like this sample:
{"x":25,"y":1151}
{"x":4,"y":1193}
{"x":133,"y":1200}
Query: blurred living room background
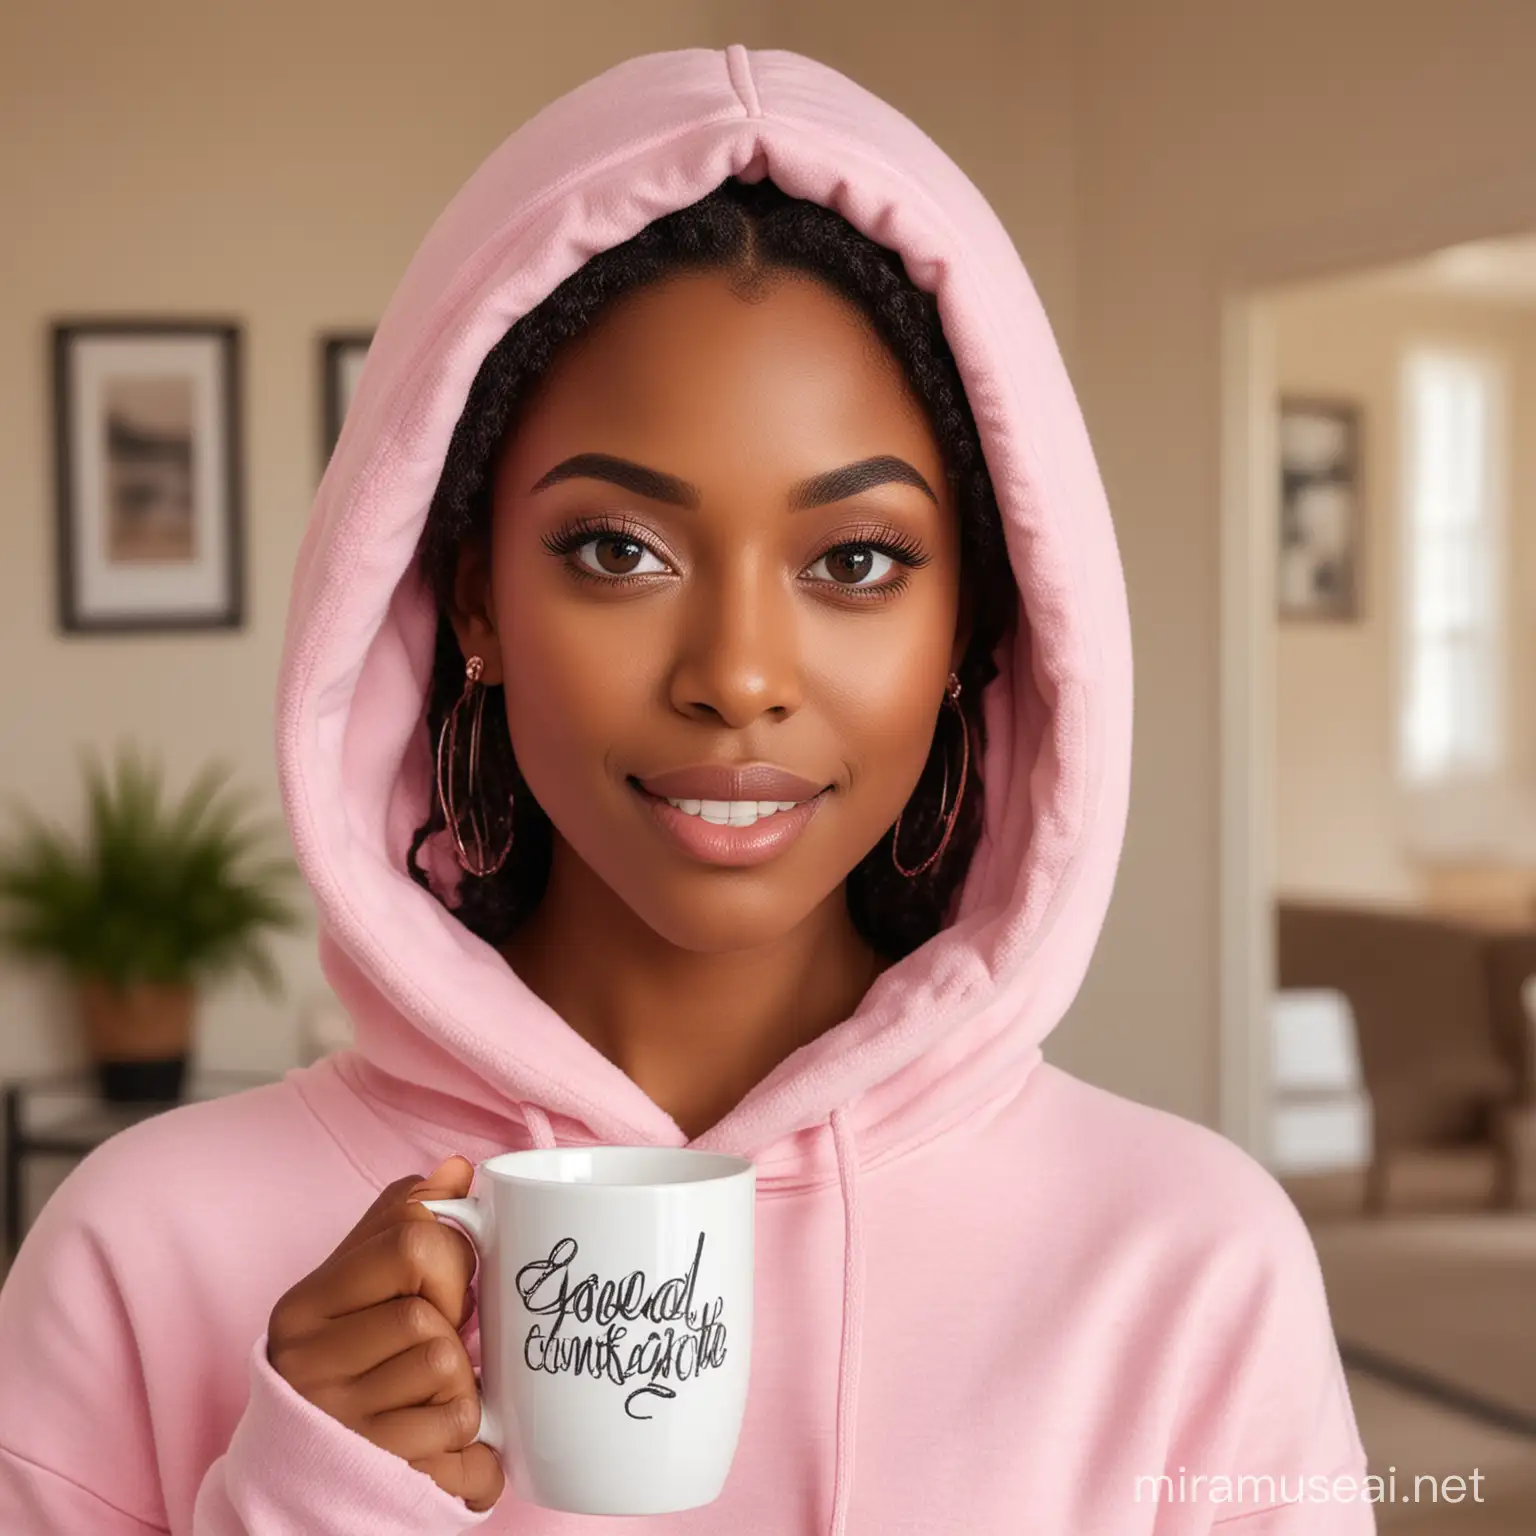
{"x":1289,"y":252}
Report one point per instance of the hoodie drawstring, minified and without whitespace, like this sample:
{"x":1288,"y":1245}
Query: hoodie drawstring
{"x":853,"y":1300}
{"x":538,"y":1126}
{"x":853,"y":1319}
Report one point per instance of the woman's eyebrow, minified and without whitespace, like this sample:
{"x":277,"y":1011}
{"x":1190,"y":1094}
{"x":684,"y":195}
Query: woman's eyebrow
{"x":837,"y":484}
{"x":651,"y":483}
{"x":832,"y":485}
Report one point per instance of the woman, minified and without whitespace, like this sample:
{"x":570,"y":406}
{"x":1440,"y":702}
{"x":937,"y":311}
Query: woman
{"x":705,"y":721}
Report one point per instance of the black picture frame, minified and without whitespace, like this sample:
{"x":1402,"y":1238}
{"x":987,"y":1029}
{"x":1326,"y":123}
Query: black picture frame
{"x":341,"y":356}
{"x":149,"y":469}
{"x":1320,"y":538}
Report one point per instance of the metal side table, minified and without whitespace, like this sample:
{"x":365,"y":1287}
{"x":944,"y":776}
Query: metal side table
{"x":79,"y":1122}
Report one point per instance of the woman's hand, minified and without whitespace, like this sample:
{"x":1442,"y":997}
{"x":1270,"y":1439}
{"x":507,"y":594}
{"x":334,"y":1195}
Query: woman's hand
{"x":371,"y":1337}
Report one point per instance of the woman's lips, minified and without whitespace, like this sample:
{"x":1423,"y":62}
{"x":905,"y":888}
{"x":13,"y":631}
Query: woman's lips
{"x":712,"y":843}
{"x":727,"y":781}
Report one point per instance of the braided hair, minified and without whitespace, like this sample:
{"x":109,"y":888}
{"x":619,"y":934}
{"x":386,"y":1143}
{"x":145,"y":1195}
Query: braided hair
{"x":750,"y":232}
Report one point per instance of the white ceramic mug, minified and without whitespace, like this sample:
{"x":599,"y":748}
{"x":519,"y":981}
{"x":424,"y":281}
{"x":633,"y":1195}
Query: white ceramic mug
{"x":615,"y":1300}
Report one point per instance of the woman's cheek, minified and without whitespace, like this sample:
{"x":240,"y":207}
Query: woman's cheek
{"x":879,"y":677}
{"x":573,"y":685}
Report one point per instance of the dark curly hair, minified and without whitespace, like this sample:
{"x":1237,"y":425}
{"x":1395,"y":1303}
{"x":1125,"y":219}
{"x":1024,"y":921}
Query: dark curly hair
{"x":750,"y":231}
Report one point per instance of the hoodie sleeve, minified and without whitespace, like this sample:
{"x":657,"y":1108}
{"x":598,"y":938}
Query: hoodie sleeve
{"x":293,"y":1470}
{"x":1269,"y":1422}
{"x":84,"y":1447}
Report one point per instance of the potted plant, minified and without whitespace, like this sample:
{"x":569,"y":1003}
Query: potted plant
{"x":154,"y":903}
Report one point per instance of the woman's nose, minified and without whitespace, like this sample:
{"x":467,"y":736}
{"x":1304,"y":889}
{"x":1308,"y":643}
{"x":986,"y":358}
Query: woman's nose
{"x":738,"y":654}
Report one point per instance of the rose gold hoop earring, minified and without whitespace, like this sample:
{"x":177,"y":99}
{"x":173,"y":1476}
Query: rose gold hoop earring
{"x":952,"y":698}
{"x":475,"y":863}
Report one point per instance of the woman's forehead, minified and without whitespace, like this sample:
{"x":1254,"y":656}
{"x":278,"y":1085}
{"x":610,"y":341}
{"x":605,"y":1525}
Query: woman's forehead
{"x":690,"y":368}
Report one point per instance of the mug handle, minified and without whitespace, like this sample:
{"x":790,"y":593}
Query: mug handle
{"x":473,"y":1218}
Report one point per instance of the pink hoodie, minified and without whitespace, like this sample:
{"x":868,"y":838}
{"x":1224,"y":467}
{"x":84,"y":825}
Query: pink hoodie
{"x":991,"y":1298}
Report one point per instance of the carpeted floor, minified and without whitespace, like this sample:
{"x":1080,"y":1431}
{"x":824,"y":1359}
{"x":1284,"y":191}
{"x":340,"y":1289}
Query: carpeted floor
{"x":1417,"y":1436}
{"x":1440,"y":1286}
{"x":1452,"y":1298}
{"x":1435,"y":1307}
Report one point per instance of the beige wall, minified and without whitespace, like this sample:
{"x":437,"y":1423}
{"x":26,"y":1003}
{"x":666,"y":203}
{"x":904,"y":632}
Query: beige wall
{"x":1222,"y":144}
{"x":994,"y":82}
{"x":1344,"y":825}
{"x":278,"y":162}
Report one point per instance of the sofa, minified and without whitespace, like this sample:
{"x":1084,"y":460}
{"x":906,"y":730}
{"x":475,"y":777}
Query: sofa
{"x":1447,"y":1046}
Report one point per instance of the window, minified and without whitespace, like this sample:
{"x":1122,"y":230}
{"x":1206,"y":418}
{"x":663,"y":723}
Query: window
{"x":1452,"y":704}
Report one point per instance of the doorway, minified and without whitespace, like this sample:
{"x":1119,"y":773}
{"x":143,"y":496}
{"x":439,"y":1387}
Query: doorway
{"x":1259,"y":320}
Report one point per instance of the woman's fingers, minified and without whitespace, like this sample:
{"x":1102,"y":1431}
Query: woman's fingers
{"x":426,"y":1258}
{"x":474,"y":1474}
{"x":431,"y":1373}
{"x":370,"y":1336}
{"x":450,"y":1180}
{"x":428,"y":1429}
{"x":384,"y":1212}
{"x":361,"y":1342}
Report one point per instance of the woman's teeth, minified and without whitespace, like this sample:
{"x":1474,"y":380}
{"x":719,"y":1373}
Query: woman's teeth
{"x":733,"y":813}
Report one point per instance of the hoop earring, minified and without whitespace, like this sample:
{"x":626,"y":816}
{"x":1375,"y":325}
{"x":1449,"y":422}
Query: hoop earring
{"x":475,"y":863}
{"x":952,"y":698}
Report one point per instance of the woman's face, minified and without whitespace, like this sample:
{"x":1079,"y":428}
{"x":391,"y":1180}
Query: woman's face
{"x":687,"y":571}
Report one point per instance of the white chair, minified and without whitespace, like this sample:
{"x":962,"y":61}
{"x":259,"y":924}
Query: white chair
{"x":1320,"y":1114}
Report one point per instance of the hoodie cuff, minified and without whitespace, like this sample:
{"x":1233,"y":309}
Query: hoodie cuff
{"x":293,"y":1470}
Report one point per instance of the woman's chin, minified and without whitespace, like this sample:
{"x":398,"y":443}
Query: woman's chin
{"x":719,"y":922}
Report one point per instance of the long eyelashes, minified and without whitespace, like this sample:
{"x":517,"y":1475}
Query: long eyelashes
{"x":879,"y":537}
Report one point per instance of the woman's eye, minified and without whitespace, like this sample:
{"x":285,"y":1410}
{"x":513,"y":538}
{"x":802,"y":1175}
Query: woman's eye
{"x":851,"y":565}
{"x":617,"y":554}
{"x":614,"y":554}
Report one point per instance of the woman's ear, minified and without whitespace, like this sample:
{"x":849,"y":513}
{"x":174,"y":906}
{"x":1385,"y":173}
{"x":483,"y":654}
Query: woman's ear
{"x":474,"y":610}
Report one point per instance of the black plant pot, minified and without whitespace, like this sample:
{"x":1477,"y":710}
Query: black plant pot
{"x":151,"y":1081}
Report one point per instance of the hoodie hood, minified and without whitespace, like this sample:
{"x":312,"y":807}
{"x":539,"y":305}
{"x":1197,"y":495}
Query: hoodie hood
{"x":437,"y":1009}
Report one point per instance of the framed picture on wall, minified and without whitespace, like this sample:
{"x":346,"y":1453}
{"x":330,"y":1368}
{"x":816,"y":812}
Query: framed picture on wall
{"x":1320,"y":512}
{"x":148,"y":474}
{"x":341,"y":361}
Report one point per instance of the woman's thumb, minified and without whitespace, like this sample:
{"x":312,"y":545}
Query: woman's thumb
{"x":449,"y":1180}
